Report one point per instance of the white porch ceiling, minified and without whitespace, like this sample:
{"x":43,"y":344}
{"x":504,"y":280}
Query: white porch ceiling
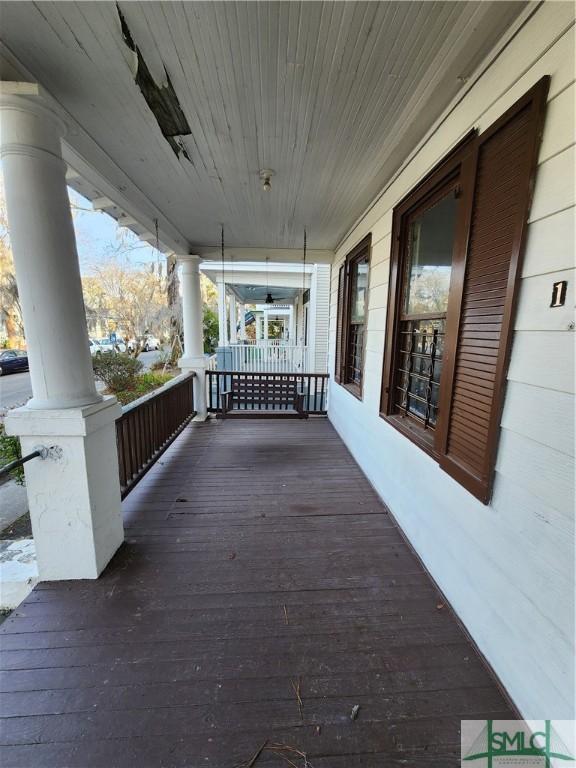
{"x":331,"y":95}
{"x":256,"y":294}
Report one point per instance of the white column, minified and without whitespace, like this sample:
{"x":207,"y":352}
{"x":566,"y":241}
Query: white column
{"x":73,"y":496}
{"x":222,"y":318}
{"x":242,"y":310}
{"x":313,"y":319}
{"x":265,"y":319}
{"x":291,"y":338}
{"x":259,"y":320}
{"x":193,"y":360}
{"x":233,"y":320}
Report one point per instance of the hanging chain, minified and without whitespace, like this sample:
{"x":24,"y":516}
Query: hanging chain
{"x":157,"y":247}
{"x":304,"y":266}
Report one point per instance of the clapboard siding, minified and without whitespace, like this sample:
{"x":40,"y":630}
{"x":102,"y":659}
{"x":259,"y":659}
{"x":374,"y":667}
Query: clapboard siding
{"x":555,"y":188}
{"x":322,"y":319}
{"x":506,"y":567}
{"x":559,"y":128}
{"x":540,"y":414}
{"x":546,"y":472}
{"x":543,"y":359}
{"x":534,"y":313}
{"x":551,"y":245}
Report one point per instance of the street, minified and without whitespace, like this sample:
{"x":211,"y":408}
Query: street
{"x":15,"y":388}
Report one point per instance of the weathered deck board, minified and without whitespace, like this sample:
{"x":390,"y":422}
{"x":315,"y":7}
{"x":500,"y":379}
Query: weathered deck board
{"x":257,"y":555}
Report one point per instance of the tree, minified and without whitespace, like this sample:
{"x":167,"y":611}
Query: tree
{"x":211,"y":332}
{"x":131,"y":300}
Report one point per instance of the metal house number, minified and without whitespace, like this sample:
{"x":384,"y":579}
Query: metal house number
{"x":559,"y":293}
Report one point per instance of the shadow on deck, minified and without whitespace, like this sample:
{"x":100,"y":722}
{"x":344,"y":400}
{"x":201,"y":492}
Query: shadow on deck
{"x":258,"y":560}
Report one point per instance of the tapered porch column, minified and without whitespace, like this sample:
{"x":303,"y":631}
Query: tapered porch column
{"x":193,"y":359}
{"x":291,"y":327}
{"x":233,"y":320}
{"x":259,"y":332}
{"x":265,"y":320}
{"x":222,"y":319}
{"x":74,"y":495}
{"x":242,"y":310}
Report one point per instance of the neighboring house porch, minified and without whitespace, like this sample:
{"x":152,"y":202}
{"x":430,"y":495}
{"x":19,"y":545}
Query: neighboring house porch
{"x":272,"y":317}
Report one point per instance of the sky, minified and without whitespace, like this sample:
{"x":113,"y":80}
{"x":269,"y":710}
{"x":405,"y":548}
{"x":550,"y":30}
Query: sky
{"x":99,"y":239}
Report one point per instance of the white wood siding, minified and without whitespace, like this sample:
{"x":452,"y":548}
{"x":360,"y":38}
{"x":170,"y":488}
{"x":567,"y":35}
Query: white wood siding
{"x":322,"y":318}
{"x":507,"y":568}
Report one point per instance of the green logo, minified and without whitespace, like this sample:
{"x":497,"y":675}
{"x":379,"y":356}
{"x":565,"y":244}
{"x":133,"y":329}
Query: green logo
{"x":492,"y":744}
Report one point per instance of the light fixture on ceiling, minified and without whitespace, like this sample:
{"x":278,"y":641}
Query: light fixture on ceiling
{"x":265,"y":176}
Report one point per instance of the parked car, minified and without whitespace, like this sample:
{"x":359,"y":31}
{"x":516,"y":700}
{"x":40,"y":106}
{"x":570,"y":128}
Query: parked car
{"x":112,"y":346}
{"x":150,"y":343}
{"x":13,"y":361}
{"x":94,"y":347}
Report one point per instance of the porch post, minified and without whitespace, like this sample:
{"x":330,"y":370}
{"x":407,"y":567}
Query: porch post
{"x":291,"y":327}
{"x":222,"y":319}
{"x":265,"y":319}
{"x":242,"y":310}
{"x":233,"y":320}
{"x":313,"y":319}
{"x":193,"y":360}
{"x":259,"y":319}
{"x":74,"y":495}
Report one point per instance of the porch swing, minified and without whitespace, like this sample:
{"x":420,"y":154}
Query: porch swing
{"x":263,"y":395}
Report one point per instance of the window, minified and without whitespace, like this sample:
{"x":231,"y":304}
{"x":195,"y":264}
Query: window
{"x":457,"y":245}
{"x":352,"y":316}
{"x":430,"y":234}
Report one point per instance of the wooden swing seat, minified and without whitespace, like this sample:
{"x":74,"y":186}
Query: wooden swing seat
{"x":263,"y":398}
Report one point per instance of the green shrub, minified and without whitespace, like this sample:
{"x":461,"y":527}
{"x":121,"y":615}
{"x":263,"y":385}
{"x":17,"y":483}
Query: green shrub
{"x":117,"y":370}
{"x":144,"y":383}
{"x":10,"y":451}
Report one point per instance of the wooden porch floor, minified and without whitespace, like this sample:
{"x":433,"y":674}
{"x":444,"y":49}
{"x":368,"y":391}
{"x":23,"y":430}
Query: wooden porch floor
{"x":258,"y":559}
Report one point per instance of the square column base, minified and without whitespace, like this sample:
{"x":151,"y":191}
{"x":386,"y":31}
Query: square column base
{"x":198,"y":366}
{"x":74,"y":494}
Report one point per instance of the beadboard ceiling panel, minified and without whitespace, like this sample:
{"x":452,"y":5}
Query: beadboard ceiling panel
{"x":330,"y":95}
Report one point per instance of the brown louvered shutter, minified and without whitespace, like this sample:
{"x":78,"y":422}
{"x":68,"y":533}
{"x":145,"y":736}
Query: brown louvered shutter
{"x":505,"y":169}
{"x":339,"y":323}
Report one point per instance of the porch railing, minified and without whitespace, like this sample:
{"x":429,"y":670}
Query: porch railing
{"x":148,"y":426}
{"x":268,"y":357}
{"x":314,"y":386}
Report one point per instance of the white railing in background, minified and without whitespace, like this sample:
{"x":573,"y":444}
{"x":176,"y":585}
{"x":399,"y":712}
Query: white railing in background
{"x":269,"y":358}
{"x":266,"y":342}
{"x":212,"y":363}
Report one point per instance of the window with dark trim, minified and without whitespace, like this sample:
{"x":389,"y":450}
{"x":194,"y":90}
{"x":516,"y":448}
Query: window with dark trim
{"x":457,"y":244}
{"x":353,"y":280}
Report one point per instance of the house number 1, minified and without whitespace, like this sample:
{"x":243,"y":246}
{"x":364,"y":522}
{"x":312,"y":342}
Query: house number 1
{"x":559,"y":293}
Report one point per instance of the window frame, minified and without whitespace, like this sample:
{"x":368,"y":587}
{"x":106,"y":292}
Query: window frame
{"x":361,"y":252}
{"x":456,"y":172}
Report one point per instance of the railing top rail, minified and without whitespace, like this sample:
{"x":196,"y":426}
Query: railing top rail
{"x":265,"y":344}
{"x":267,"y":373}
{"x":176,"y":381}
